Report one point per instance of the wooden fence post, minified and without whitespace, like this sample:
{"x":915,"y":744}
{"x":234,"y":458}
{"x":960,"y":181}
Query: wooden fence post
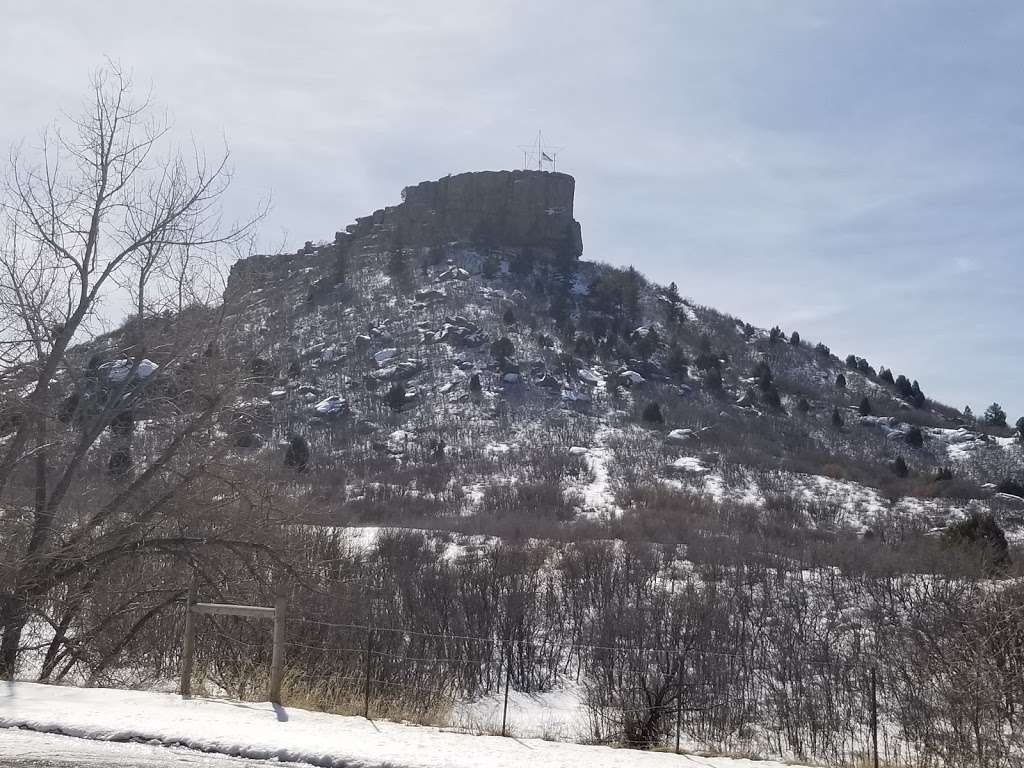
{"x":277,"y":656}
{"x":188,"y":647}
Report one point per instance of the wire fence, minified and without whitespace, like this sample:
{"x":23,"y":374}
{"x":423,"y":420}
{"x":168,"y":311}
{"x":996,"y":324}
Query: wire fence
{"x":677,"y":698}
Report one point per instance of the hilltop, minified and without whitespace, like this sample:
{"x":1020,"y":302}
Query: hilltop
{"x":453,"y":357}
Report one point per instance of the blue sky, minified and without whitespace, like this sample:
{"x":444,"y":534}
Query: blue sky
{"x":849,"y":170}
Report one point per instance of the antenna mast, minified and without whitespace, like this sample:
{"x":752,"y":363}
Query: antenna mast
{"x":538,"y":156}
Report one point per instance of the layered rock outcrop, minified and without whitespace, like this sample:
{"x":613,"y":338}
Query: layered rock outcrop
{"x":508,"y":210}
{"x":511,"y":209}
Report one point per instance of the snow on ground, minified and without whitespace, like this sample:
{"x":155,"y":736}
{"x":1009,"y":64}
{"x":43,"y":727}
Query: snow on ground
{"x":32,"y":750}
{"x":598,"y":496}
{"x":558,"y":715}
{"x":263,"y":731}
{"x":857,"y":505}
{"x":689,"y":464}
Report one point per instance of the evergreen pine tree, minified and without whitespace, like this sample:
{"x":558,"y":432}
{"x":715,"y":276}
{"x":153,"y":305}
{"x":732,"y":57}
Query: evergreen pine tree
{"x":652,"y":413}
{"x":677,"y":362}
{"x":713,"y":381}
{"x":490,"y":266}
{"x":772,"y":398}
{"x":297,"y":454}
{"x":995,"y":416}
{"x":840,"y":381}
{"x":396,"y":396}
{"x":899,"y":467}
{"x":837,"y":417}
{"x":794,"y":339}
{"x":865,"y":406}
{"x":917,"y":396}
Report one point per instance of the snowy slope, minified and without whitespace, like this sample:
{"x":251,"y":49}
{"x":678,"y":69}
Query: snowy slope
{"x":259,"y":730}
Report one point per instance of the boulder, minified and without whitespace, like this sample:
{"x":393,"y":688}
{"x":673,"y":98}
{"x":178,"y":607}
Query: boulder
{"x":384,"y":356}
{"x":335,"y":405}
{"x":679,"y":436}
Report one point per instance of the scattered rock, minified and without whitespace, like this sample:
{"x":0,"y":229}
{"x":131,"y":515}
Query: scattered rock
{"x":335,"y":405}
{"x":454,"y":273}
{"x":384,"y":356}
{"x":679,"y":436}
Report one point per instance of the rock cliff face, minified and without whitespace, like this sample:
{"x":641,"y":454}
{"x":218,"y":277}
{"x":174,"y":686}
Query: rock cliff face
{"x":507,"y":210}
{"x":501,"y":208}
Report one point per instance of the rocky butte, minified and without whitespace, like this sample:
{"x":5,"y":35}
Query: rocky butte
{"x":507,"y":210}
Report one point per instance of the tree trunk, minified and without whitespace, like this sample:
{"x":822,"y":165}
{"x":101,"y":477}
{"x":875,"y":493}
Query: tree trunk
{"x":13,"y":617}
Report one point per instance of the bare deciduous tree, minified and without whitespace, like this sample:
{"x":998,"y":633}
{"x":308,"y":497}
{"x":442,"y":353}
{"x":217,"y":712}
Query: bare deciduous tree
{"x":105,"y":202}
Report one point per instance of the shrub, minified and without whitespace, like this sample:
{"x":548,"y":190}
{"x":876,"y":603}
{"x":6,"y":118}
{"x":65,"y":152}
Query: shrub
{"x":837,"y":417}
{"x":503,"y":347}
{"x":297,"y":454}
{"x":865,"y":406}
{"x":677,"y":362}
{"x":772,"y":399}
{"x":794,"y":339}
{"x":489,"y":269}
{"x":509,"y":318}
{"x":652,"y":413}
{"x":713,"y":380}
{"x":540,"y":500}
{"x":981,"y":532}
{"x":822,"y":350}
{"x":899,"y":467}
{"x":840,"y":381}
{"x":914,"y":437}
{"x":775,"y":335}
{"x":803,"y":406}
{"x":395,"y":397}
